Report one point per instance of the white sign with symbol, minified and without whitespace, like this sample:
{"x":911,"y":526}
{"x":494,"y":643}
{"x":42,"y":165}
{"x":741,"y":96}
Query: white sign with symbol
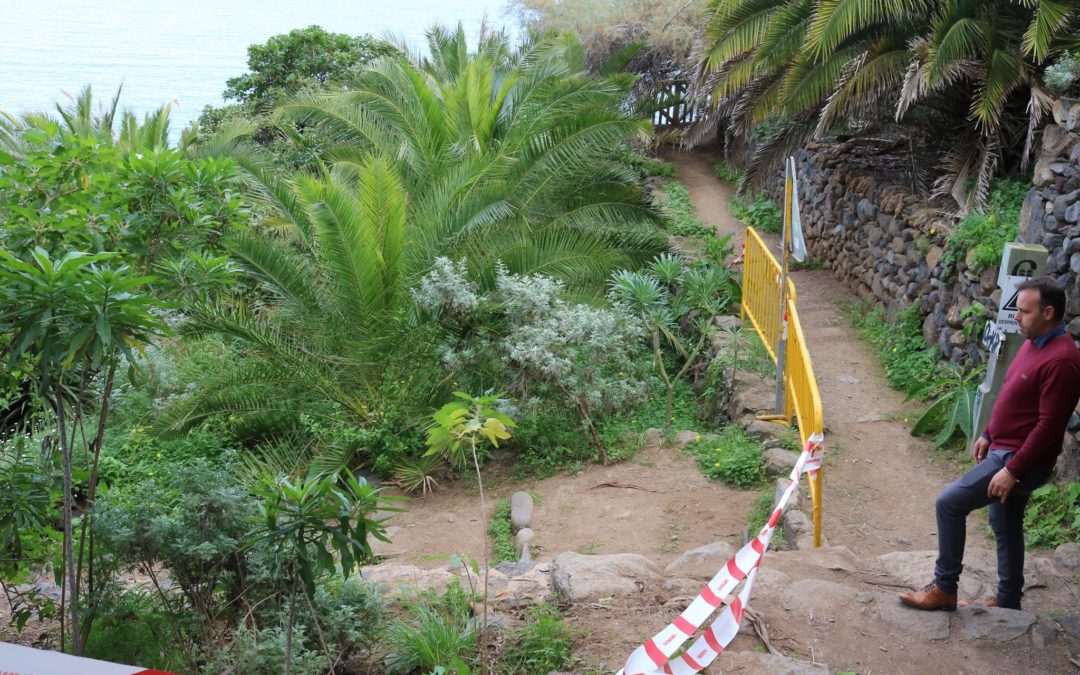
{"x":992,"y":338}
{"x":1006,"y":316}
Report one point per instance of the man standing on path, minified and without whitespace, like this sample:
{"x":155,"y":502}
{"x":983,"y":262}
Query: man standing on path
{"x":1015,"y":454}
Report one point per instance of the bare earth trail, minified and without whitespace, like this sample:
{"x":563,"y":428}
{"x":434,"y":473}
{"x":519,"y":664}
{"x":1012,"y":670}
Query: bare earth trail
{"x":880,"y":485}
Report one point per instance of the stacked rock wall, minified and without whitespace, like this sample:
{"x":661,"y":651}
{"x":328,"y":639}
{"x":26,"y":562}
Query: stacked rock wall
{"x":887,"y":244}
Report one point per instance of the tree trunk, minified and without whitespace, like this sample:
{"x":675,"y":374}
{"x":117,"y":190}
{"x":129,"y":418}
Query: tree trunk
{"x":487,"y":558}
{"x":70,"y":577}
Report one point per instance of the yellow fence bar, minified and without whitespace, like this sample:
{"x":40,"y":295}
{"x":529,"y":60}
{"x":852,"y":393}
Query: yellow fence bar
{"x":760,"y":307}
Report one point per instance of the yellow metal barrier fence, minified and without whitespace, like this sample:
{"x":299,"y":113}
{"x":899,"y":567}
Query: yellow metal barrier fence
{"x":760,"y":305}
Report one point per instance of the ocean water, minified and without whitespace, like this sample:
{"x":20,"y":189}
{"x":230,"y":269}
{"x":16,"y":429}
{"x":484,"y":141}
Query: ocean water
{"x":182,"y":51}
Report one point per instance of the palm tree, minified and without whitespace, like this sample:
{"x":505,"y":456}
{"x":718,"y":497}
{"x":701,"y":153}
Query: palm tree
{"x":809,"y":65}
{"x":492,"y":155}
{"x":107,"y":124}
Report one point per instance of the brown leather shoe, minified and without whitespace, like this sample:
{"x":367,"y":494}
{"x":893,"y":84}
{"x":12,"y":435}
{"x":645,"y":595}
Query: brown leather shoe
{"x":931,"y":597}
{"x":988,"y":602}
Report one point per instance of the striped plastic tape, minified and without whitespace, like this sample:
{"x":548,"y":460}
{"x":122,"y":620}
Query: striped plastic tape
{"x":654,"y":657}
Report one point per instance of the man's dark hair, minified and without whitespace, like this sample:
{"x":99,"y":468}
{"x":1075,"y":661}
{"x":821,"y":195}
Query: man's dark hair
{"x":1050,"y":293}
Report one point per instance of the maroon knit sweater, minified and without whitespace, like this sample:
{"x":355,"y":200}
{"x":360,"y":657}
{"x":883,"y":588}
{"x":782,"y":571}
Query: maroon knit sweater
{"x":1041,"y":389}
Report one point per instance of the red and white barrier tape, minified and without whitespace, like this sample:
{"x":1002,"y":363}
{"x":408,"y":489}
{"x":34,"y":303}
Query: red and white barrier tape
{"x":654,"y":657}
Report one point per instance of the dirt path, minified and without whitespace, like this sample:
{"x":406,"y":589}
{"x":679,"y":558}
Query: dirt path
{"x":880,"y":483}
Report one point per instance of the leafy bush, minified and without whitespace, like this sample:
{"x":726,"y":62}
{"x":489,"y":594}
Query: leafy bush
{"x":261,"y":651}
{"x":1053,"y":515}
{"x":726,"y":172}
{"x":132,"y":626}
{"x":644,"y":165}
{"x":502,"y":533}
{"x":981,"y":237}
{"x":349,"y":614}
{"x":680,"y":212}
{"x":760,"y":213}
{"x":1063,"y":74}
{"x":541,"y":646}
{"x":733,"y":458}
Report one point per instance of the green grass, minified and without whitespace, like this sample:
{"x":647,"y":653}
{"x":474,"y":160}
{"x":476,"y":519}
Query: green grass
{"x":542,"y":645}
{"x":733,"y":458}
{"x":502,"y":533}
{"x":760,"y":213}
{"x":680,"y":212}
{"x":726,"y":172}
{"x":907,"y":360}
{"x":759,"y":515}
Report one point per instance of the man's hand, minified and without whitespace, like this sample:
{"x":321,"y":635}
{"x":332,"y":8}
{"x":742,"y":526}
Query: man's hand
{"x":1001,"y":485}
{"x":980,"y":448}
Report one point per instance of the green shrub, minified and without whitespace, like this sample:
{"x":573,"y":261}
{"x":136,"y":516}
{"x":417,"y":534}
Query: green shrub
{"x":541,"y":646}
{"x":733,"y":458}
{"x":502,"y":533}
{"x":727,"y":173}
{"x":131,"y":626}
{"x":436,"y":631}
{"x":262,"y":652}
{"x":760,"y":213}
{"x":985,"y":234}
{"x":680,"y":212}
{"x":645,"y":166}
{"x":1053,"y":515}
{"x":349,"y":613}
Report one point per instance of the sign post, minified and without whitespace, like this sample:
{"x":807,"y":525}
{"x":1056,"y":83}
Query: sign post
{"x":1002,"y":336}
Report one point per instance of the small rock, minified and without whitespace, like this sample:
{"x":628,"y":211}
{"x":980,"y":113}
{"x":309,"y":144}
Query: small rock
{"x":864,"y":597}
{"x":684,"y":438}
{"x":1043,"y":633}
{"x":782,"y":484}
{"x":577,"y":577}
{"x":521,"y":510}
{"x":817,"y":597}
{"x":727,"y":322}
{"x":48,"y":589}
{"x":523,"y":537}
{"x":653,"y":437}
{"x":754,"y":662}
{"x":779,"y":461}
{"x":923,"y":625}
{"x":494,"y":622}
{"x":702,"y":562}
{"x":993,"y":623}
{"x":799,"y":531}
{"x":903,"y":541}
{"x":1068,"y":556}
{"x":1070,"y":624}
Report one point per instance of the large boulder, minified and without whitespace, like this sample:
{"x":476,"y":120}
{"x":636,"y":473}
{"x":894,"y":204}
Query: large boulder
{"x":916,"y":569}
{"x":702,"y":562}
{"x":993,"y":623}
{"x":576,"y":577}
{"x":914,"y":622}
{"x":521,"y":510}
{"x":779,"y":462}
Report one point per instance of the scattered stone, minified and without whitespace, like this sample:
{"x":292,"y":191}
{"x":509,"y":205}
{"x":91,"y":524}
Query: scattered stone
{"x":653,"y":438}
{"x":993,"y":623}
{"x":779,"y":461}
{"x":730,"y":323}
{"x":394,"y":580}
{"x":513,"y":569}
{"x":782,"y":484}
{"x":916,"y":568}
{"x":48,"y":589}
{"x":702,"y":562}
{"x":494,"y":621}
{"x":521,"y":510}
{"x":1070,"y":624}
{"x":684,"y":438}
{"x":522,"y":538}
{"x":1068,"y":556}
{"x":754,"y":662}
{"x":799,"y":531}
{"x":864,"y":597}
{"x":817,"y":597}
{"x":577,"y":577}
{"x":1043,"y":633}
{"x":756,"y":427}
{"x":914,"y":622}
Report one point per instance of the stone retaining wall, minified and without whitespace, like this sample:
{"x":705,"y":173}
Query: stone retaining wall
{"x":887,"y":244}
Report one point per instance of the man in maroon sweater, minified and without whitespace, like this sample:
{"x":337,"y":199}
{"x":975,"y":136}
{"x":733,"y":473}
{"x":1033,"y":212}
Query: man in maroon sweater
{"x":1015,"y":454}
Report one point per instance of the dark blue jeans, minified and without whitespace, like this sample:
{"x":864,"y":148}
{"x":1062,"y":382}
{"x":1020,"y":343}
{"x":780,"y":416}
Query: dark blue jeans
{"x":1007,"y":520}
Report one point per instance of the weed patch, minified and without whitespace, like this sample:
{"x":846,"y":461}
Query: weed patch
{"x":1053,"y":515}
{"x":680,"y":212}
{"x":760,"y":213}
{"x":732,"y":458}
{"x":502,"y":534}
{"x":542,"y":645}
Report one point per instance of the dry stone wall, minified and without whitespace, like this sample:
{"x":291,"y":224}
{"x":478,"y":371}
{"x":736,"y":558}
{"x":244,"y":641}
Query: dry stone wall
{"x":888,"y":245}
